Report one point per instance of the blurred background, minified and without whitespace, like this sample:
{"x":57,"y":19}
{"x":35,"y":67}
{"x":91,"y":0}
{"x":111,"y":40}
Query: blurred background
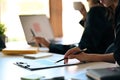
{"x":10,"y":9}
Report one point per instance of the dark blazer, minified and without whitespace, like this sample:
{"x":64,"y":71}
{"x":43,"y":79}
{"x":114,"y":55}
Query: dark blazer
{"x":60,"y":48}
{"x":99,"y":32}
{"x":97,"y":36}
{"x":117,"y":31}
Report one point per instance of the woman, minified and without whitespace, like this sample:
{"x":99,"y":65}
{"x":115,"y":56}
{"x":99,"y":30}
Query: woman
{"x":98,"y":33}
{"x":112,"y":57}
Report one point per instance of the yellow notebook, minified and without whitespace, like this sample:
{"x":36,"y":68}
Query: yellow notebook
{"x":19,"y":50}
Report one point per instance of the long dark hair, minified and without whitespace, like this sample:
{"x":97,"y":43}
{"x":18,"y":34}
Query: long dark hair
{"x":110,"y":14}
{"x":95,"y":1}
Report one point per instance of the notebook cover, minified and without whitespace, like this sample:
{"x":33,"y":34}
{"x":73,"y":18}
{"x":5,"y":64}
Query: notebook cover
{"x":17,"y":50}
{"x":112,"y":73}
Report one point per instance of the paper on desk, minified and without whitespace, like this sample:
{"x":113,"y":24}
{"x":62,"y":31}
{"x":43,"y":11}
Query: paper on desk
{"x":43,"y":64}
{"x":38,"y":55}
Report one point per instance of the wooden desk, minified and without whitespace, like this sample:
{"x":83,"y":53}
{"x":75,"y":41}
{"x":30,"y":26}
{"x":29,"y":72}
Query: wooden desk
{"x":9,"y":71}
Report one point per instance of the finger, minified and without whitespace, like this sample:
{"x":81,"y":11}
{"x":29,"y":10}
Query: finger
{"x":71,"y":56}
{"x":67,"y":57}
{"x":65,"y":61}
{"x":67,"y":54}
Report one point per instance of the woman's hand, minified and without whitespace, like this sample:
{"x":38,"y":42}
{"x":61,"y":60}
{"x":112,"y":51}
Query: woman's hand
{"x":80,"y":6}
{"x":69,"y":54}
{"x":42,"y":40}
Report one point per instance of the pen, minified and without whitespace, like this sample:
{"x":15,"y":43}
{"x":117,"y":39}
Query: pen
{"x":34,"y":35}
{"x":74,"y":54}
{"x":32,"y":32}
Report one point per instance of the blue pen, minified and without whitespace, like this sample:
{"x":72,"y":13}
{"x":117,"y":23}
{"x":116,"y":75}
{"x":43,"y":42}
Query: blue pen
{"x":74,"y":54}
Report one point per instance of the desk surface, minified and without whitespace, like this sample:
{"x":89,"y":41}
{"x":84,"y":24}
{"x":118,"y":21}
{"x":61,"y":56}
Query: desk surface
{"x":9,"y":71}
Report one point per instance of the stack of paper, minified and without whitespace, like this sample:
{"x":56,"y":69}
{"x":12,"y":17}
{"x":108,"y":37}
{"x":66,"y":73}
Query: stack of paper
{"x":38,"y":55}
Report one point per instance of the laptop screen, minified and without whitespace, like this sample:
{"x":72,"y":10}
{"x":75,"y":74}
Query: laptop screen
{"x":39,"y":24}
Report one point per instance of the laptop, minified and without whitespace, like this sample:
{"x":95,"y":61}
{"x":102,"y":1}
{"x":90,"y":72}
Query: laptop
{"x":40,"y":26}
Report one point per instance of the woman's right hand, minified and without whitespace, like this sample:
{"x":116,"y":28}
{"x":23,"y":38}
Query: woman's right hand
{"x":69,"y":54}
{"x":82,"y":57}
{"x":42,"y":40}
